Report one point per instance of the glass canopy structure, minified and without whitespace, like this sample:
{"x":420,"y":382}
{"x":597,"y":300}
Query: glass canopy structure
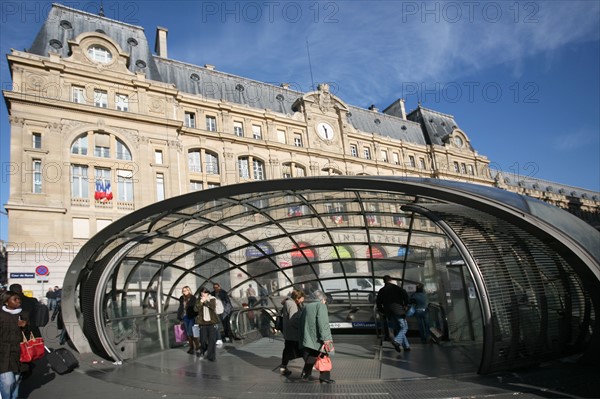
{"x":516,"y":278}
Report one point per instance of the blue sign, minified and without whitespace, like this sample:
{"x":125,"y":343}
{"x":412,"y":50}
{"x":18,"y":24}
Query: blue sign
{"x":363,"y":324}
{"x":22,"y":275}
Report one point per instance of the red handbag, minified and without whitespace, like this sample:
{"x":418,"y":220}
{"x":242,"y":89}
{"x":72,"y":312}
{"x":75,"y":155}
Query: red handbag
{"x":32,"y":349}
{"x":323,"y":362}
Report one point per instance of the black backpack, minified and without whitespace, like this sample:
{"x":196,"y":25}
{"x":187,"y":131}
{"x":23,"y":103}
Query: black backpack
{"x":41,"y":315}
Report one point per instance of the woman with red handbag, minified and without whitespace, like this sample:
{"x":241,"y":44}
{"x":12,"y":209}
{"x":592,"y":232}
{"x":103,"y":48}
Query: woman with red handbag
{"x":12,"y":320}
{"x":315,"y":335}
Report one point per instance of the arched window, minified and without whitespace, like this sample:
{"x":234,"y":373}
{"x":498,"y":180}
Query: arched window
{"x":302,"y":257}
{"x":99,"y":54}
{"x":80,"y":145}
{"x":107,"y":175}
{"x":343,"y":256}
{"x":122,"y":151}
{"x":209,"y":262}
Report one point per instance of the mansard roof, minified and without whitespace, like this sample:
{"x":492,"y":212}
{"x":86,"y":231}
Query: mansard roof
{"x":386,"y":125}
{"x":64,"y":24}
{"x":217,"y":85}
{"x":436,"y":125}
{"x":533,"y":183}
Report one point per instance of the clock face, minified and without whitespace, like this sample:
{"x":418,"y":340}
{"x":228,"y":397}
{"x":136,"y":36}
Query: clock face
{"x":458,"y":141}
{"x":325,"y":131}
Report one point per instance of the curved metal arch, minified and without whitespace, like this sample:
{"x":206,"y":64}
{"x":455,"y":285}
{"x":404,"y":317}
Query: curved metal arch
{"x":511,"y":209}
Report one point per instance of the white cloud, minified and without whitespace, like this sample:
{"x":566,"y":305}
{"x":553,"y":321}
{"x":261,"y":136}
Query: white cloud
{"x":576,"y":140}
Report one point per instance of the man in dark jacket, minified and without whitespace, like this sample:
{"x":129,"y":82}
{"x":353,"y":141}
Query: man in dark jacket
{"x":392,"y":301}
{"x":225,"y":316}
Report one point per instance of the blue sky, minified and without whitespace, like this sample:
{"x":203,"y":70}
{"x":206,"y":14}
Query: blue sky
{"x":521,"y":78}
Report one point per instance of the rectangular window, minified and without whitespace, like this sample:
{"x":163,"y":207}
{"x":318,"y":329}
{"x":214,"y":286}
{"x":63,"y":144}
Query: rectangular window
{"x":81,"y":228}
{"x":471,"y":170}
{"x":353,"y":150}
{"x":211,"y":123}
{"x":212,"y":164}
{"x":190,"y":119}
{"x":194,"y":163}
{"x":79,"y":181}
{"x":281,"y":136}
{"x":101,"y":98}
{"x":300,"y":171}
{"x":384,"y":156}
{"x":256,"y":132}
{"x":78,"y":95}
{"x":102,"y":145}
{"x":411,"y":161}
{"x":396,"y":158}
{"x":196,"y":185}
{"x":125,"y":185}
{"x":286,"y":171}
{"x":212,"y":185}
{"x":238,"y":129}
{"x":244,"y":169}
{"x":158,"y":157}
{"x":36,"y":140}
{"x":122,"y":102}
{"x":463,"y":168}
{"x":422,"y":164}
{"x":367,"y":152}
{"x":37,"y":176}
{"x":102,"y":223}
{"x":456,"y":167}
{"x":258,"y":169}
{"x":160,"y":187}
{"x":297,"y":140}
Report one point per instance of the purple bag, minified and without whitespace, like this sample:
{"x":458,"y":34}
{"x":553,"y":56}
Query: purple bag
{"x":180,"y":334}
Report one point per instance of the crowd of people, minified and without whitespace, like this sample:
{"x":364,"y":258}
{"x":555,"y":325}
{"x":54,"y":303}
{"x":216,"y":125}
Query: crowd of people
{"x":305,"y":322}
{"x":18,"y":317}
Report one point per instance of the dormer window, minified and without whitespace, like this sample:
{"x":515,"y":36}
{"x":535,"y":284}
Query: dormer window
{"x":99,"y":54}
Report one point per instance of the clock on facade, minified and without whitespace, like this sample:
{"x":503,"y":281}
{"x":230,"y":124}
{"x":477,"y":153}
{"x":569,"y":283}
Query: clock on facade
{"x":458,"y":141}
{"x":325,"y":131}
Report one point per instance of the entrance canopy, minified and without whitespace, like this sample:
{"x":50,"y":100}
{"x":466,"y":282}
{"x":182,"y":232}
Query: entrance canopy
{"x":526,"y":275}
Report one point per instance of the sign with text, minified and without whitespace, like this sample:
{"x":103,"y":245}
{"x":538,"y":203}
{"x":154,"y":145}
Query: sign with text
{"x":22,"y":275}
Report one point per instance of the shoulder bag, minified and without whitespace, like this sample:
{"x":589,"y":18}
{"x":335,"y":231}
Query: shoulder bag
{"x":32,"y":349}
{"x":323,"y":362}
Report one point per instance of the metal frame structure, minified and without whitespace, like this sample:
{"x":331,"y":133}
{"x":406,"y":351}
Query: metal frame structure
{"x":534,"y":269}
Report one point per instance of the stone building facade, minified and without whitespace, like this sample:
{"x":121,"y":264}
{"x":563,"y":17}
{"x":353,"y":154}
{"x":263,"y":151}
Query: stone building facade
{"x":101,"y":126}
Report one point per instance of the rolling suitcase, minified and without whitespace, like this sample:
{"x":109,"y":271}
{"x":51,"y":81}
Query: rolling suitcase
{"x":61,"y":360}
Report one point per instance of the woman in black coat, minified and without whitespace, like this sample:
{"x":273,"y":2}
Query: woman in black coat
{"x":187,"y":315}
{"x":12,"y":320}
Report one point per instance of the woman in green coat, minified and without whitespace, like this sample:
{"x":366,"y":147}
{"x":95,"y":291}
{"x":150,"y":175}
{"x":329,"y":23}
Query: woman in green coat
{"x":314,"y":333}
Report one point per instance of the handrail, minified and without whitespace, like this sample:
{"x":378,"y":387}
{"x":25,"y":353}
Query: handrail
{"x":256,"y":321}
{"x":438,"y":322}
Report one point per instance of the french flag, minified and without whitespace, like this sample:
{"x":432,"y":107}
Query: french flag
{"x":294,"y":211}
{"x":103,"y":192}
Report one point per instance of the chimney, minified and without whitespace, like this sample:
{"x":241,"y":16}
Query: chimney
{"x":373,"y":108}
{"x":160,"y":47}
{"x":209,"y":67}
{"x":285,"y":85}
{"x":402,"y":108}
